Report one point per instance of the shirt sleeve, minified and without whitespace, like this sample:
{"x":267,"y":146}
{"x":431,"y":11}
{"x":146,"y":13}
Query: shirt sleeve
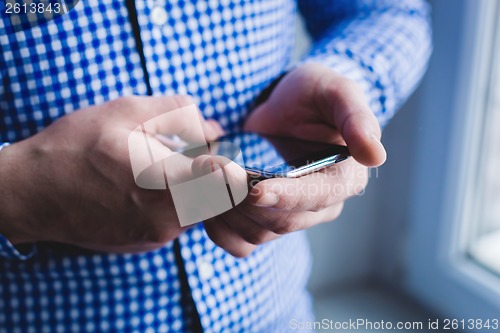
{"x":9,"y":251}
{"x":384,"y":45}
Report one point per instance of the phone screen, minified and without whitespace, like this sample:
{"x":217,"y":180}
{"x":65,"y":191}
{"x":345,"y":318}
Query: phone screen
{"x":269,"y":156}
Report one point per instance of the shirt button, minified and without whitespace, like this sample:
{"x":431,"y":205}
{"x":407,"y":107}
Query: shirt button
{"x":206,"y":270}
{"x":159,"y":16}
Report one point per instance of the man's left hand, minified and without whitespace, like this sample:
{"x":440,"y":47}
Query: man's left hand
{"x":313,"y":103}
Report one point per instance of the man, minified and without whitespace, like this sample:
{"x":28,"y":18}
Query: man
{"x":83,"y":249}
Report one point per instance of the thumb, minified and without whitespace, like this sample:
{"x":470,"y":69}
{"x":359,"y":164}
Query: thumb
{"x":344,"y":104}
{"x":170,"y":115}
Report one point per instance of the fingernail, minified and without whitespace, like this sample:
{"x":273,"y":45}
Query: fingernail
{"x":267,"y":200}
{"x":383,"y":157}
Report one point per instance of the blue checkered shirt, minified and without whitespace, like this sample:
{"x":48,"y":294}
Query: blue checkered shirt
{"x":224,"y":53}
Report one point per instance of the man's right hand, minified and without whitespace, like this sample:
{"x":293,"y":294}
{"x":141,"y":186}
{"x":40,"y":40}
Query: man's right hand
{"x":73,"y":182}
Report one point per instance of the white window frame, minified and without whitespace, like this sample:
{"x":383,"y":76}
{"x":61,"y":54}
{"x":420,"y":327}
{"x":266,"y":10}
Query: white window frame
{"x":438,"y":272}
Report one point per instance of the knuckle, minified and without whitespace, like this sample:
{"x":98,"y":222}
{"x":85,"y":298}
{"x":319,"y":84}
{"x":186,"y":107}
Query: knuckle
{"x":138,"y":198}
{"x":242,"y":252}
{"x":234,"y":245}
{"x":126,"y":102}
{"x":214,"y":233}
{"x":158,"y":235}
{"x":290,"y":202}
{"x":136,"y":235}
{"x":149,"y":233}
{"x":286,"y":224}
{"x":184,"y":100}
{"x":255,"y":238}
{"x":106,"y":144}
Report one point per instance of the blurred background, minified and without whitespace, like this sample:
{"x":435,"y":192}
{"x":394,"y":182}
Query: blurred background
{"x":424,"y":241}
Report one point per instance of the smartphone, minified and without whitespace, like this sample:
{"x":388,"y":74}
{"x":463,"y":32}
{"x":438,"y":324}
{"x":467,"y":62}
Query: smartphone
{"x":266,"y":157}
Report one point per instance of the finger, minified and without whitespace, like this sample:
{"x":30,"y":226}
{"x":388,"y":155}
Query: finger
{"x":173,"y":115}
{"x":312,"y":192}
{"x":251,"y":231}
{"x":345,"y":105}
{"x":217,"y":128}
{"x":205,"y":163}
{"x":152,"y":162}
{"x":147,"y":150}
{"x":211,"y":130}
{"x":283,"y":222}
{"x":170,"y":115}
{"x":246,"y":229}
{"x":228,"y":239}
{"x":233,"y":175}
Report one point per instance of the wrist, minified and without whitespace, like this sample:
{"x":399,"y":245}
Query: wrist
{"x":14,"y":208}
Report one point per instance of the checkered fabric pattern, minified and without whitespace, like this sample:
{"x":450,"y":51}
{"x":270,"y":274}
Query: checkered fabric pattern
{"x":224,"y":53}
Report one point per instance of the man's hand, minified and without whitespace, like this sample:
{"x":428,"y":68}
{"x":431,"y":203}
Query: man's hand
{"x":73,"y":182}
{"x":312,"y":103}
{"x":315,"y":103}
